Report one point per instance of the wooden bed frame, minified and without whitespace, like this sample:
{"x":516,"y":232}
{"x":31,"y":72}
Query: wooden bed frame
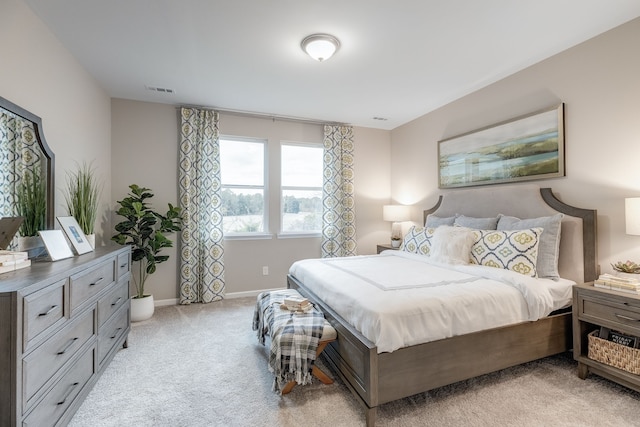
{"x":376,"y":379}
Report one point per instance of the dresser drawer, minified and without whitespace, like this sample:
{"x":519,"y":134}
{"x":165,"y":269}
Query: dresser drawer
{"x":616,"y":314}
{"x":60,"y":397}
{"x":41,"y":364}
{"x":41,"y":310}
{"x":89,"y":283}
{"x":112,"y":331}
{"x":123,"y":264}
{"x":111,"y":302}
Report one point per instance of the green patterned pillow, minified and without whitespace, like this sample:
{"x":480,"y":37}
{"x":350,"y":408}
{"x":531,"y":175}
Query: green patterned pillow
{"x":418,"y":240}
{"x":515,"y":250}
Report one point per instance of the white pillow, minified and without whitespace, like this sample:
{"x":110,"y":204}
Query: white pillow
{"x":451,"y":245}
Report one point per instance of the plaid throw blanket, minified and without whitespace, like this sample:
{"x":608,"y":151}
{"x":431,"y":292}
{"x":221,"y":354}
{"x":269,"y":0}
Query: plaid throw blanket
{"x":294,"y":337}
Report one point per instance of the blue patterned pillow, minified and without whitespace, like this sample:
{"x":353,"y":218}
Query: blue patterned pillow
{"x":515,"y":250}
{"x":418,"y":240}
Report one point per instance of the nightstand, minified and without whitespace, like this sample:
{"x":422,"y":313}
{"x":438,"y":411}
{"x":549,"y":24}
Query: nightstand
{"x":386,"y":247}
{"x":595,"y":307}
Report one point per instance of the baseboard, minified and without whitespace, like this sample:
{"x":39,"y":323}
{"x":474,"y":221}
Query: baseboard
{"x":232,"y":295}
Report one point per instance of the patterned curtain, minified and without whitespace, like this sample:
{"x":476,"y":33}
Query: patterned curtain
{"x":338,"y":219}
{"x":201,"y":262}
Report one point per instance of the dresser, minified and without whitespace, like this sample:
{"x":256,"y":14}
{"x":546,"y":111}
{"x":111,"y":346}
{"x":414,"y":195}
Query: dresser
{"x":61,"y":323}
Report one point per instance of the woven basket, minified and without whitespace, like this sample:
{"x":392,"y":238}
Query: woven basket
{"x":613,"y":354}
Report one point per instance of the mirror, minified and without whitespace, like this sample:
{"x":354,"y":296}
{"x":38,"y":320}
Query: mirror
{"x":24,"y":156}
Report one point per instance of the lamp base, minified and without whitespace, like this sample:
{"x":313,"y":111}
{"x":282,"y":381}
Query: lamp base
{"x":396,"y":243}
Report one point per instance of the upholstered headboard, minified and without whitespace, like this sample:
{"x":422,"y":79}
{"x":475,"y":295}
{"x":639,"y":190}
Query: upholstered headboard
{"x":578,"y":241}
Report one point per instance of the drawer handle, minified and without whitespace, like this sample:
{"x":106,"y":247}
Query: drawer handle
{"x":116,"y":302}
{"x":115,"y":333}
{"x":96,"y":282}
{"x":48,"y":312}
{"x":123,"y":265}
{"x":621,"y":316}
{"x":64,"y":350}
{"x":66,"y":396}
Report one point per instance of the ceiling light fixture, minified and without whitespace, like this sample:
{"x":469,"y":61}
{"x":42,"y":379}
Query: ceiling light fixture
{"x":320,"y":46}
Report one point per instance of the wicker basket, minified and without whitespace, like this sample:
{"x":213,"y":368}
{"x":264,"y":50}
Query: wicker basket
{"x":613,"y":354}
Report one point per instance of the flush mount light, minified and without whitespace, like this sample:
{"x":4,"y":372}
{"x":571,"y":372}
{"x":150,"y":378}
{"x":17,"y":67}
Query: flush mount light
{"x":320,"y":46}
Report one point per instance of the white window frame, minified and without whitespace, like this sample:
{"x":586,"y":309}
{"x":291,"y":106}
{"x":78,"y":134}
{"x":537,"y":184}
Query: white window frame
{"x":295,"y":234}
{"x":264,"y":234}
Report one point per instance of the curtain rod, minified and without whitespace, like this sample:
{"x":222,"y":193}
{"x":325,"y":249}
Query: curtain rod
{"x":273,"y":117}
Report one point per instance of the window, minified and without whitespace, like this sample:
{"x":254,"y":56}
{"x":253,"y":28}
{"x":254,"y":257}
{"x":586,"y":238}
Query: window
{"x":301,"y":210}
{"x":242,"y":170}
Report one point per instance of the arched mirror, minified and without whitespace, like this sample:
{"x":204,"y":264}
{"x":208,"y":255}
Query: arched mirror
{"x":26,"y":165}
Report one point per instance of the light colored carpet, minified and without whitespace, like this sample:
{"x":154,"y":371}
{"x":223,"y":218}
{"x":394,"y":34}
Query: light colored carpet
{"x":201,"y":365}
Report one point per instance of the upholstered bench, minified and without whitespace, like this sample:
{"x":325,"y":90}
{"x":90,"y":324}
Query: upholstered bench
{"x":293,"y":333}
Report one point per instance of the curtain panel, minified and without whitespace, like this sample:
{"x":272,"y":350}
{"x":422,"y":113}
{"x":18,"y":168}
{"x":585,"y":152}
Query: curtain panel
{"x":202,"y":251}
{"x":338,"y":218}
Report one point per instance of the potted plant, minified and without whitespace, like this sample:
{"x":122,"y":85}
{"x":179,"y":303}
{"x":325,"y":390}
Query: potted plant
{"x":144,"y":230}
{"x":32,"y":206}
{"x":82,"y":197}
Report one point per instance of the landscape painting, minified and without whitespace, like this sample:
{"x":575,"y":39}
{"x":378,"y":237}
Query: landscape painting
{"x":526,"y":148}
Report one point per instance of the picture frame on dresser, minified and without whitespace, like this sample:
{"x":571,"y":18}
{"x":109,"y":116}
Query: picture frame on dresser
{"x":75,"y":235}
{"x":56,"y":244}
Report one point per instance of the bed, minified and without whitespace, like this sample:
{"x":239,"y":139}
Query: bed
{"x":377,"y":377}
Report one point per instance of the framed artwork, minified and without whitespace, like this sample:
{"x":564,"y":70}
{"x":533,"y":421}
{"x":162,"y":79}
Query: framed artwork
{"x":56,"y":244}
{"x":75,"y":235}
{"x":524,"y":148}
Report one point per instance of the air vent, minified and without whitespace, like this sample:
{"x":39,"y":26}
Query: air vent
{"x":382,"y":119}
{"x":159,"y":89}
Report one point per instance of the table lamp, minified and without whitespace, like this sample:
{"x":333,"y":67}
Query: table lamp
{"x":396,"y":214}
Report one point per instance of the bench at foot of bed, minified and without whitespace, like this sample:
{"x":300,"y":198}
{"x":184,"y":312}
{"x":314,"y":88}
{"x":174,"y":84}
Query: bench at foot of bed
{"x":286,"y":328}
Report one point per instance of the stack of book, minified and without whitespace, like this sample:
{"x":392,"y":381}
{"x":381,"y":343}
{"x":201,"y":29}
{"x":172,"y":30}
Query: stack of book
{"x":624,"y":284}
{"x":12,"y":260}
{"x":297,"y":304}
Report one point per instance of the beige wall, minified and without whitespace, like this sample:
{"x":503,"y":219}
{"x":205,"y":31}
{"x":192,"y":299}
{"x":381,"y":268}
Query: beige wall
{"x":40,"y":75}
{"x":599,"y":83}
{"x":144,"y":151}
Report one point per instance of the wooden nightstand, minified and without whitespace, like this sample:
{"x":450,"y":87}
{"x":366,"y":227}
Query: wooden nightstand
{"x":386,"y":247}
{"x":595,"y":307}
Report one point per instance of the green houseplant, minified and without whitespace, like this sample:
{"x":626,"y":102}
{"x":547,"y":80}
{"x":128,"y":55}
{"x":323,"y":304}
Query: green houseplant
{"x":144,"y":230}
{"x":32,"y":203}
{"x":82,"y":196}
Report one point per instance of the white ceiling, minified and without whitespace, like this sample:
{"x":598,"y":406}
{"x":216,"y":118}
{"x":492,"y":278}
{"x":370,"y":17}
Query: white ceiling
{"x":398,"y":60}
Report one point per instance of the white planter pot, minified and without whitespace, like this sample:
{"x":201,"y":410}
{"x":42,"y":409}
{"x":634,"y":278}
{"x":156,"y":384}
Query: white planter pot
{"x":142,"y":308}
{"x":91,"y":239}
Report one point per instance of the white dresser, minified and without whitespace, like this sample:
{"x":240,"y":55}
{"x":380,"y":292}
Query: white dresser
{"x":60,"y":325}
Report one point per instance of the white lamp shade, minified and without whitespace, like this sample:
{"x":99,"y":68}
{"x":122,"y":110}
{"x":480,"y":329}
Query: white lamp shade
{"x":632,"y":215}
{"x":320,"y":46}
{"x":396,"y":213}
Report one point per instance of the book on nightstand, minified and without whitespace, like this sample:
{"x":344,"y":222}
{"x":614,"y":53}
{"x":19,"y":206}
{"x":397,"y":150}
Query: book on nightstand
{"x":623,"y":284}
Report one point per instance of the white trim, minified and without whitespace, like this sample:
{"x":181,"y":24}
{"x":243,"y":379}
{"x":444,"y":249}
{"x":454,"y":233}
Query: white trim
{"x":294,"y":235}
{"x":232,"y":295}
{"x":248,"y":236}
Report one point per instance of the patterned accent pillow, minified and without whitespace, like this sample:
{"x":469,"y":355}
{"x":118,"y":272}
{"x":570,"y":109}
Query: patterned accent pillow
{"x":515,"y":250}
{"x":549,"y":251}
{"x":418,"y":240}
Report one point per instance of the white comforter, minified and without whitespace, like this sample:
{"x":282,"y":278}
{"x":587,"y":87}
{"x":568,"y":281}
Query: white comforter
{"x":397,"y":299}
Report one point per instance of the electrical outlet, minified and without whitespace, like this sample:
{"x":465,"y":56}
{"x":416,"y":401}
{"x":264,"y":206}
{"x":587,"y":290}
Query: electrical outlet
{"x":265,"y":271}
